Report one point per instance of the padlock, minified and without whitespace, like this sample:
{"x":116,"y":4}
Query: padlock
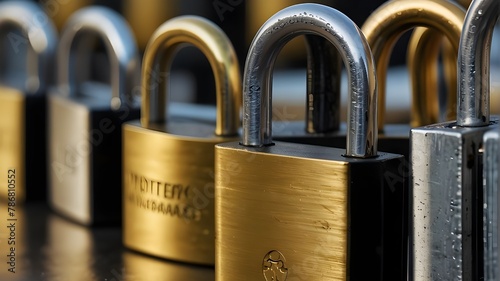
{"x":168,"y":164}
{"x":447,"y":168}
{"x":296,"y":211}
{"x":423,"y":66}
{"x":382,"y":29}
{"x":85,"y":119}
{"x":23,"y":100}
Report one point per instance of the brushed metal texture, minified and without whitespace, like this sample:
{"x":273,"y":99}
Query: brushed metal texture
{"x":473,"y":108}
{"x":168,"y":190}
{"x":491,"y":204}
{"x":329,"y":217}
{"x":168,"y":163}
{"x":446,"y":176}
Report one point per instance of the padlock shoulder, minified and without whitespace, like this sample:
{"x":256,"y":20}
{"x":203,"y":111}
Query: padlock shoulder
{"x":181,"y":128}
{"x":294,"y":150}
{"x":91,"y":95}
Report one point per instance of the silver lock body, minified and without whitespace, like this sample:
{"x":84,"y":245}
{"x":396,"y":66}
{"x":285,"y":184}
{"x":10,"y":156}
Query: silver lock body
{"x":447,"y":169}
{"x":85,"y":156}
{"x":447,"y":165}
{"x":491,"y":206}
{"x":85,"y":118}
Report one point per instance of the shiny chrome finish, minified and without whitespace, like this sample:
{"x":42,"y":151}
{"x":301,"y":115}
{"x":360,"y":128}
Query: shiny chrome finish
{"x":473,"y":60}
{"x":267,"y":43}
{"x":168,"y":162}
{"x":447,"y":165}
{"x":85,"y":120}
{"x":22,"y":98}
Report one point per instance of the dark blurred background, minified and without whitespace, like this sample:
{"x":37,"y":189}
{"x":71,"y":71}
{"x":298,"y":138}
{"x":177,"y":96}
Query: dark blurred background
{"x":240,"y":20}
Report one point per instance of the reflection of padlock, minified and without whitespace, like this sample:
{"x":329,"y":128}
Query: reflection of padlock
{"x":447,"y":166}
{"x":302,"y":211}
{"x":85,"y":120}
{"x":22,"y":112}
{"x":168,"y":165}
{"x":146,"y":268}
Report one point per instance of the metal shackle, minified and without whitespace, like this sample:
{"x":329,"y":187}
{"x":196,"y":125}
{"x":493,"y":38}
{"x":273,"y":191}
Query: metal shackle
{"x":217,"y":48}
{"x":341,"y":32}
{"x":386,"y":24}
{"x":120,"y":45}
{"x":41,"y":35}
{"x":473,"y":108}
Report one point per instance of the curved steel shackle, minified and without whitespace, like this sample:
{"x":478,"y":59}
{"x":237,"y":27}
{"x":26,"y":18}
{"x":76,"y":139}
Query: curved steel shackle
{"x":474,"y":63}
{"x":386,"y":24}
{"x":355,"y":52}
{"x":214,"y":44}
{"x":120,"y":44}
{"x":41,"y":36}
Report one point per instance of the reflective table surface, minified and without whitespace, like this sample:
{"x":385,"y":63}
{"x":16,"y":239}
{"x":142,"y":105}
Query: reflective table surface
{"x":49,"y":247}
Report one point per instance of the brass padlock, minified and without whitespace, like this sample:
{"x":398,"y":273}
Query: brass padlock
{"x":423,"y":49}
{"x":169,"y":164}
{"x":287,"y":211}
{"x":382,"y":29}
{"x":85,"y":119}
{"x":23,"y":100}
{"x":447,"y":165}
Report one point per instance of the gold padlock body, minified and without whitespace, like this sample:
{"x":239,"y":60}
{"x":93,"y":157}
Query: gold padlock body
{"x":274,"y":205}
{"x":168,"y":191}
{"x":12,"y":140}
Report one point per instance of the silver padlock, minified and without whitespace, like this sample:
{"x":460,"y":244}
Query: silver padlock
{"x":85,"y":119}
{"x":26,"y":59}
{"x":447,"y":180}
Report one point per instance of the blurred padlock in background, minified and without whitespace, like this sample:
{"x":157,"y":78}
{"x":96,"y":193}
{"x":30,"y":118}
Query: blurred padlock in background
{"x":192,"y":79}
